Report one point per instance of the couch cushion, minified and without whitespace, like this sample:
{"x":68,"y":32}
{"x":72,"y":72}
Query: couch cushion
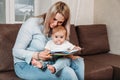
{"x":8,"y":35}
{"x":10,"y":75}
{"x":97,"y":71}
{"x":93,"y":39}
{"x":109,"y":59}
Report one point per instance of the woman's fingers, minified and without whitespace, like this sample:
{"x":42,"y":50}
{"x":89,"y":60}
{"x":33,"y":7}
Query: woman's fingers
{"x":44,"y":56}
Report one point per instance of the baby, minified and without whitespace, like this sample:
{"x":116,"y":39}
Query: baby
{"x":58,"y":43}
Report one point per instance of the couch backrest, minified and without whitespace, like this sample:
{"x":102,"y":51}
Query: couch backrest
{"x":93,"y":39}
{"x":8,"y":33}
{"x":73,"y":35}
{"x":74,"y":38}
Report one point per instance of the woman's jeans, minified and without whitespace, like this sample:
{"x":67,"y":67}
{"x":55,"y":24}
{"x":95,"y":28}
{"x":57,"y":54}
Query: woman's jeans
{"x":29,"y":72}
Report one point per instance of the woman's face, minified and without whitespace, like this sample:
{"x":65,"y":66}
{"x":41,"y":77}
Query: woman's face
{"x":57,"y":20}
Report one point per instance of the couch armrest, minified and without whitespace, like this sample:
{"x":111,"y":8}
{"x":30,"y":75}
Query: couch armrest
{"x":7,"y":38}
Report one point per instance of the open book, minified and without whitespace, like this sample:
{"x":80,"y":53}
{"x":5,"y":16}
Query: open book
{"x":63,"y":53}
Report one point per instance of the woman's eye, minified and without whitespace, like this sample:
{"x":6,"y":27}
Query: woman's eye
{"x":60,"y":23}
{"x":54,"y":19}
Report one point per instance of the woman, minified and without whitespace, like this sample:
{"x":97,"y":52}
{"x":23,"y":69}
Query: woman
{"x":30,"y":43}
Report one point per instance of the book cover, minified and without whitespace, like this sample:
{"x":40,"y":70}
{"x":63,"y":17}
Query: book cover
{"x":63,"y":53}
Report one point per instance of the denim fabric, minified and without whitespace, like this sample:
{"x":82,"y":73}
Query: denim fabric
{"x":61,"y":63}
{"x":78,"y":66}
{"x":29,"y":72}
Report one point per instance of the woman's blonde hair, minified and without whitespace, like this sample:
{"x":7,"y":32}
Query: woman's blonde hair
{"x":59,"y":7}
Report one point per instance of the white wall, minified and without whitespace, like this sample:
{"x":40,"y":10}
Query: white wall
{"x":2,"y":11}
{"x":81,"y":10}
{"x":41,"y":6}
{"x":108,"y":12}
{"x":85,"y":12}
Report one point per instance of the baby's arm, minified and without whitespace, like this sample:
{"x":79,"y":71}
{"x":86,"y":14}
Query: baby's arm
{"x":77,"y":48}
{"x":72,"y":46}
{"x":73,"y":56}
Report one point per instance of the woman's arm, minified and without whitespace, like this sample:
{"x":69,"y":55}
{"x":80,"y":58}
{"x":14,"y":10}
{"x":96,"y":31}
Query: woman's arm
{"x":23,"y":40}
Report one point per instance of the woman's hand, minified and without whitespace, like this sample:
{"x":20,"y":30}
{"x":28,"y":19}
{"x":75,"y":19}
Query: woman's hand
{"x":44,"y":55}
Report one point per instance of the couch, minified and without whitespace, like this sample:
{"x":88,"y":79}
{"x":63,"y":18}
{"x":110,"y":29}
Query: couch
{"x":100,"y":64}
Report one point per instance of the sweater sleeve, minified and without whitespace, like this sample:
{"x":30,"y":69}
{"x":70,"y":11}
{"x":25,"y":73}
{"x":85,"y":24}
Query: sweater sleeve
{"x":22,"y":42}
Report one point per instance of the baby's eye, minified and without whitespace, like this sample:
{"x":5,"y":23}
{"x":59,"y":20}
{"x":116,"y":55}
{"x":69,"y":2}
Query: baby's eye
{"x":61,"y":36}
{"x":56,"y":36}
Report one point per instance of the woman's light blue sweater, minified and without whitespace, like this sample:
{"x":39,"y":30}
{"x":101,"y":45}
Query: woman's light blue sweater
{"x":30,"y":39}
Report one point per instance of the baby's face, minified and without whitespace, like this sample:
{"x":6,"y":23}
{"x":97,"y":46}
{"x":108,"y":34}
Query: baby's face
{"x":58,"y":37}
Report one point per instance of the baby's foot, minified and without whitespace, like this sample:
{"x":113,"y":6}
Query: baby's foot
{"x":51,"y":68}
{"x":36,"y":63}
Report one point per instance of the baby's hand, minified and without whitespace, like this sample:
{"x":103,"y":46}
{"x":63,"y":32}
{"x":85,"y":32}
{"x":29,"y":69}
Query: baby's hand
{"x":77,"y":48}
